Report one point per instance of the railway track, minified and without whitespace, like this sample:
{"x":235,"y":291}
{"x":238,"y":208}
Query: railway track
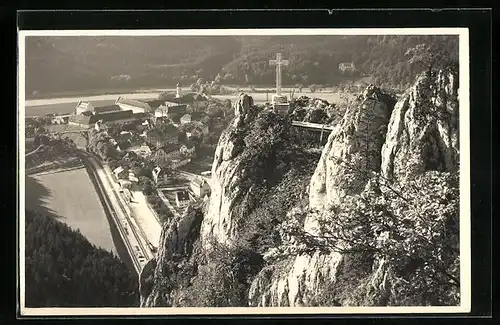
{"x":138,"y":265}
{"x":112,"y":212}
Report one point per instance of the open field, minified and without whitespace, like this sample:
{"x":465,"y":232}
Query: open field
{"x":197,"y":167}
{"x":87,"y":92}
{"x":71,"y":196}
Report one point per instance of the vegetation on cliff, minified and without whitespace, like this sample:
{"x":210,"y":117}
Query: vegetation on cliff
{"x":64,"y":270}
{"x":412,"y":226}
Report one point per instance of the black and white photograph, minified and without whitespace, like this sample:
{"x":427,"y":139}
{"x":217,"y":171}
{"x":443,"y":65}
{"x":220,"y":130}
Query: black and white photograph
{"x":256,"y":171}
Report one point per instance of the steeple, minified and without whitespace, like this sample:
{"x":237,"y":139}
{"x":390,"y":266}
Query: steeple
{"x":178,"y":91}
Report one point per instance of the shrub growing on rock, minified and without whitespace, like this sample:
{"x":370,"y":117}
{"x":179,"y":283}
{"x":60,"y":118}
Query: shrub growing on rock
{"x":411,"y":226}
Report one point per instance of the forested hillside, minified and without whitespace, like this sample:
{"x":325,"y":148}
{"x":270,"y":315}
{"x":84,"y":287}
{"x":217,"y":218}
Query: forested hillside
{"x":58,"y":64}
{"x":64,"y":270}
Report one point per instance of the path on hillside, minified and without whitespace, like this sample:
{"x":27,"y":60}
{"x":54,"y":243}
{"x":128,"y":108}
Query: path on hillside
{"x":34,"y":151}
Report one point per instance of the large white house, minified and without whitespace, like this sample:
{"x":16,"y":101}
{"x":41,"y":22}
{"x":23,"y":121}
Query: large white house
{"x":200,"y":187}
{"x":136,"y":106}
{"x":83,"y":106}
{"x":347,"y":66}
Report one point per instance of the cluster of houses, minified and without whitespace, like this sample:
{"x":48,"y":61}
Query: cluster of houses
{"x":198,"y":187}
{"x":169,"y":112}
{"x":125,"y":178}
{"x":175,"y":107}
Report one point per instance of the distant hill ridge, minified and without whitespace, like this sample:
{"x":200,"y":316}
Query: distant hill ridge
{"x":57,"y":64}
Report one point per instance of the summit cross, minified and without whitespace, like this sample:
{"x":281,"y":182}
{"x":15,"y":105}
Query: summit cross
{"x":278,"y":63}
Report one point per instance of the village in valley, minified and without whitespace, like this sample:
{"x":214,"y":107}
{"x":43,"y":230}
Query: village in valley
{"x":161,"y":147}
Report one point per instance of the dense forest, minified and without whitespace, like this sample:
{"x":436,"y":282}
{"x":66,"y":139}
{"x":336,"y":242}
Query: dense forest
{"x":59,"y":64}
{"x":63,"y":269}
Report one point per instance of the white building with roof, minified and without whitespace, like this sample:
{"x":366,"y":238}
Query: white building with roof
{"x":186,"y":118}
{"x":136,"y":106}
{"x":83,"y":106}
{"x":200,"y":187}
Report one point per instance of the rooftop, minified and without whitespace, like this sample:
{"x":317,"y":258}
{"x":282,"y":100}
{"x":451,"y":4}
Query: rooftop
{"x":132,"y":102}
{"x":187,"y":98}
{"x":198,"y":181}
{"x":155,"y":103}
{"x":118,"y":170}
{"x":80,"y":119}
{"x":142,"y":115}
{"x":112,"y":116}
{"x":105,"y":117}
{"x":106,"y":109}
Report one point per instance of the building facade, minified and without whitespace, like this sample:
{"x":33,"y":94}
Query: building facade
{"x":200,"y":187}
{"x":83,"y":106}
{"x":117,"y":117}
{"x":135,"y":106}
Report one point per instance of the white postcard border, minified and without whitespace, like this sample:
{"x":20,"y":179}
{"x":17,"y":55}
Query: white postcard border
{"x":464,"y":136}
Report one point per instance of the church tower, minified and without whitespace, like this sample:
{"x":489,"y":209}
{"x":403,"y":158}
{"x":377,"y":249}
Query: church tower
{"x":178,"y":91}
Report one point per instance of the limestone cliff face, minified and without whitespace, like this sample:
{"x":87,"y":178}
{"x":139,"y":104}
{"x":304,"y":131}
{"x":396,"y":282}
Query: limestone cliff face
{"x":418,"y":133}
{"x":352,"y":149}
{"x":218,"y":224}
{"x":423,"y":130}
{"x":157,"y":280}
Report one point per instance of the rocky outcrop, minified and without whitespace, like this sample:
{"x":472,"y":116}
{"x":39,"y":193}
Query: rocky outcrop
{"x":294,"y":282}
{"x":226,"y":175}
{"x":423,"y":130}
{"x":157,"y":279}
{"x":352,"y":151}
{"x":315,"y":110}
{"x":419,"y":134}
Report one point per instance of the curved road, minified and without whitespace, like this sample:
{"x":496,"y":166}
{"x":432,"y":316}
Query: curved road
{"x":120,"y":215}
